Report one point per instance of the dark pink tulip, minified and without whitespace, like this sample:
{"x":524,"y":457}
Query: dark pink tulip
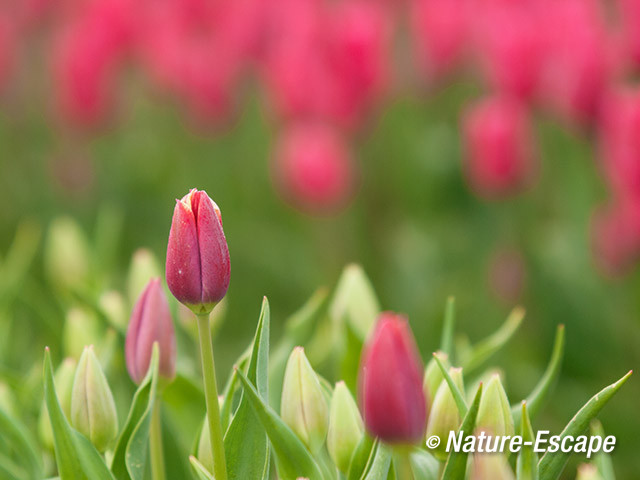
{"x":615,"y":236}
{"x":630,"y":18}
{"x":313,"y":168}
{"x":150,"y":323}
{"x":499,"y":147}
{"x":390,"y":380}
{"x":197,"y":266}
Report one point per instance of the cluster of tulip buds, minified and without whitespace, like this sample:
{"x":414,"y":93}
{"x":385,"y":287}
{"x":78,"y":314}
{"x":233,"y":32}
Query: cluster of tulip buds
{"x":379,"y":419}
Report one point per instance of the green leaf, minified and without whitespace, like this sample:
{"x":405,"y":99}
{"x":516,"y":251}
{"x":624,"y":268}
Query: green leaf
{"x":552,"y":464}
{"x":293,"y":460}
{"x":448,"y":326}
{"x":18,"y":437}
{"x":424,"y":465}
{"x":130,"y":455}
{"x":602,"y":459}
{"x":360,"y":457}
{"x":201,"y":471}
{"x":455,"y":391}
{"x":379,"y":468}
{"x":229,"y":392}
{"x":456,"y":465}
{"x":540,"y":393}
{"x":484,"y":349}
{"x":76,"y":458}
{"x":245,"y":442}
{"x":527,"y":463}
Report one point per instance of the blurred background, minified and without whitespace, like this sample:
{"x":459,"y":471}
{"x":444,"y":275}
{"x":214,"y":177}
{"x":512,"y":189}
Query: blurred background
{"x":484,"y":149}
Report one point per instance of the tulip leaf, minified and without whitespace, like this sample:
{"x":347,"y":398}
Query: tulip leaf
{"x":76,"y":457}
{"x":380,"y":464}
{"x":602,"y":459}
{"x":18,"y":436}
{"x":484,"y":349}
{"x":130,"y":455}
{"x":245,"y":442}
{"x":456,"y":465}
{"x":424,"y":465}
{"x":546,"y":383}
{"x":201,"y":471}
{"x":455,"y":391}
{"x":293,"y":460}
{"x":527,"y":463}
{"x":360,"y":457}
{"x":552,"y":464}
{"x":448,"y":327}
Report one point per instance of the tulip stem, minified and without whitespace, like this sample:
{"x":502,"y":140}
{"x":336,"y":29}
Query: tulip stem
{"x":155,"y":447}
{"x":211,"y":398}
{"x":403,"y":463}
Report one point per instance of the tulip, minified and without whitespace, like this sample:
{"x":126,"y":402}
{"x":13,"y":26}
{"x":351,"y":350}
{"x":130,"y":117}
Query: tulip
{"x":490,"y":466}
{"x":66,"y":255}
{"x":390,"y":379}
{"x":197,"y":254}
{"x":494,"y":412}
{"x":81,"y":327}
{"x":588,"y":471}
{"x":433,"y":378}
{"x":144,"y":266}
{"x":313,"y":168}
{"x":499,"y":144}
{"x":303,"y":406}
{"x":93,"y":410}
{"x":345,"y":427}
{"x":150,"y":323}
{"x":444,"y":416}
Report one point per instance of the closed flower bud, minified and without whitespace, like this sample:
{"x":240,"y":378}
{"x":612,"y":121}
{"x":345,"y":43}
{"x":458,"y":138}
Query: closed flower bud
{"x":588,"y":471}
{"x":444,"y":416}
{"x":391,"y":396}
{"x":345,"y":427}
{"x":67,"y":254}
{"x":303,"y":406}
{"x":151,"y":323}
{"x":144,"y":266}
{"x":93,"y":411}
{"x":198,"y":265}
{"x":433,"y":378}
{"x":494,"y":413}
{"x":63,"y":381}
{"x":81,"y":327}
{"x":112,"y":305}
{"x":490,"y":466}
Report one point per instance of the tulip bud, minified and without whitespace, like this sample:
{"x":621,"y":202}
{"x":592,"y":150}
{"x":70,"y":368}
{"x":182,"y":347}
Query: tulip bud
{"x":63,"y":381}
{"x":433,"y":378}
{"x":490,"y":466}
{"x":313,"y":168}
{"x":494,"y":412}
{"x":67,"y":254}
{"x":500,"y":155}
{"x":144,"y":266}
{"x":303,"y":406}
{"x":112,"y":305}
{"x":150,"y":323}
{"x":588,"y":471}
{"x":390,"y":379}
{"x":197,"y":266}
{"x":444,"y":416}
{"x":93,"y":411}
{"x":345,"y":427}
{"x":81,"y":327}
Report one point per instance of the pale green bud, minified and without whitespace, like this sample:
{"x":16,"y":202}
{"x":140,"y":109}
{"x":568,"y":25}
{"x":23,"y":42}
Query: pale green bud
{"x":93,"y":411}
{"x":144,"y":266}
{"x":345,"y":427}
{"x":81,"y":327}
{"x":494,"y":413}
{"x":444,"y":416}
{"x":63,"y":381}
{"x":113,"y":306}
{"x":588,"y":471}
{"x":433,"y":378}
{"x":67,"y":254}
{"x":490,"y":466}
{"x":303,"y":406}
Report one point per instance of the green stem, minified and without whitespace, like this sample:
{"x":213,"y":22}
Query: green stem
{"x":403,"y":463}
{"x":155,"y":447}
{"x":211,"y":398}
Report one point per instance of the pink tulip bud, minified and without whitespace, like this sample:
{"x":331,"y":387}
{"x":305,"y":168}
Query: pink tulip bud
{"x":499,"y":147}
{"x":313,"y":168}
{"x":150,"y":323}
{"x":197,"y":266}
{"x":391,"y":395}
{"x":630,"y":17}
